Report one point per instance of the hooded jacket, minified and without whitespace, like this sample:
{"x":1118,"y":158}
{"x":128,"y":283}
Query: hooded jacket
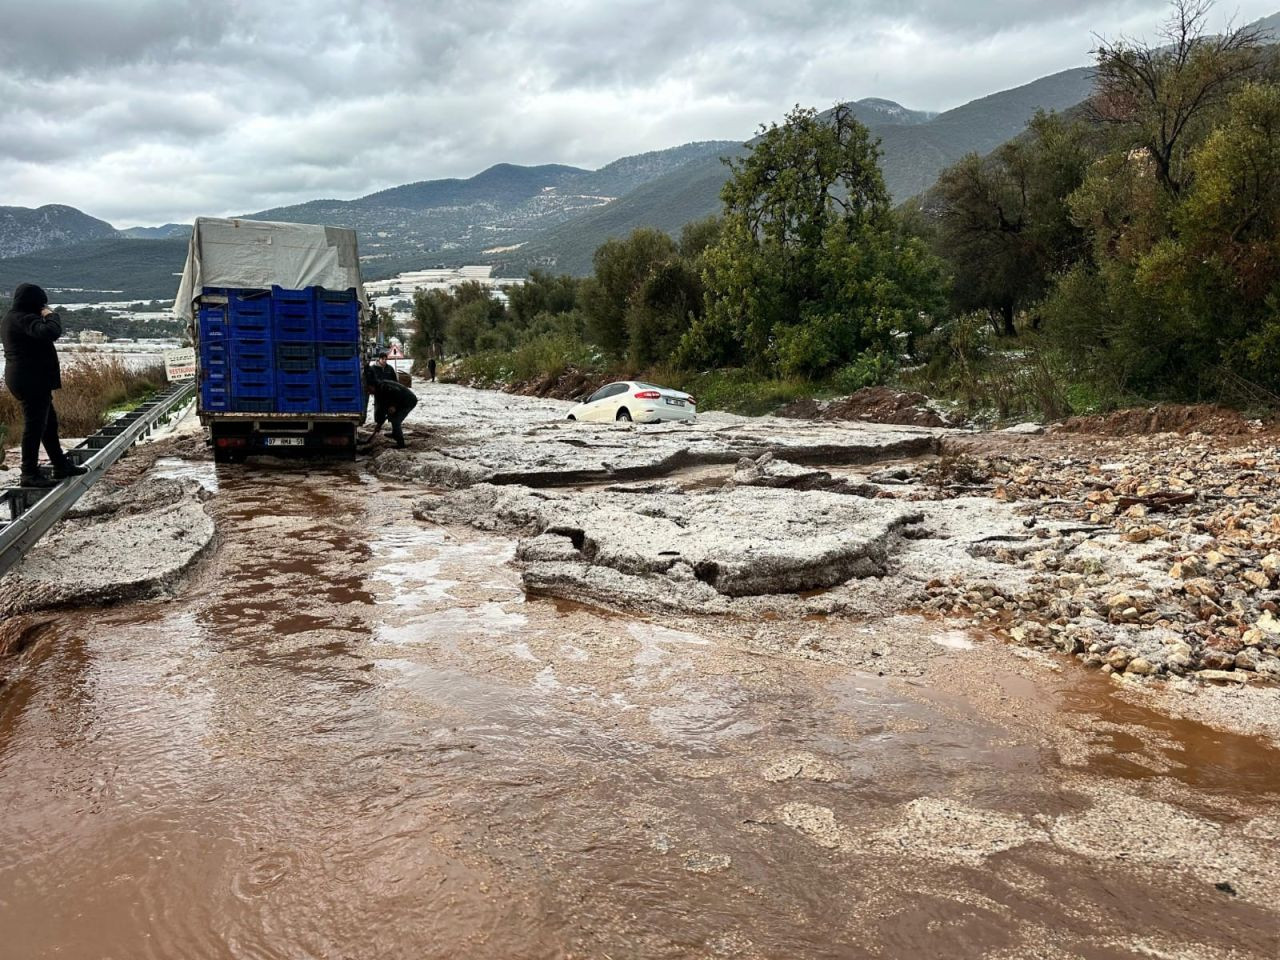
{"x":30,"y":360}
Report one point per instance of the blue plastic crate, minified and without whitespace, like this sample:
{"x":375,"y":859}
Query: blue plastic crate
{"x":338,"y":351}
{"x":342,"y":402}
{"x":212,"y":322}
{"x":298,"y":392}
{"x":325,"y":295}
{"x":215,"y":356}
{"x":251,"y":319}
{"x":252,"y":355}
{"x":243,"y":404}
{"x":293,"y":314}
{"x":238,"y":295}
{"x":256,"y":384}
{"x":215,"y":394}
{"x":337,"y":315}
{"x":298,"y":397}
{"x":341,"y":380}
{"x":298,"y":378}
{"x":296,"y":357}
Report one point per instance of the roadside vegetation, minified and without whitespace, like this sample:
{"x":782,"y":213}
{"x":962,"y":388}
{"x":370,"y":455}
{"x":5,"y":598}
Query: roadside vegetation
{"x":91,"y":390}
{"x":1125,"y":252}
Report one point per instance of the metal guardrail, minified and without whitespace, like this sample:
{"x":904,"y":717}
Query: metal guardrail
{"x":30,"y":513}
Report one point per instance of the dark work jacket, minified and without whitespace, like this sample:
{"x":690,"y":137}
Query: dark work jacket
{"x":384,"y":373}
{"x":30,"y":360}
{"x":391,"y":393}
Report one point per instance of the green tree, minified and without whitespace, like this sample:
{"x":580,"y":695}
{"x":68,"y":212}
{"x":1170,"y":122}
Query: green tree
{"x":1164,"y":95}
{"x":430,"y":313}
{"x":541,"y":293}
{"x":467,"y":325}
{"x":809,"y":270}
{"x":622,"y":268}
{"x":1004,"y":223}
{"x":1175,"y":282}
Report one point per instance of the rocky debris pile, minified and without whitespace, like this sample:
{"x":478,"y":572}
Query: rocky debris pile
{"x":1168,"y":560}
{"x":873,"y":405}
{"x":122,"y":543}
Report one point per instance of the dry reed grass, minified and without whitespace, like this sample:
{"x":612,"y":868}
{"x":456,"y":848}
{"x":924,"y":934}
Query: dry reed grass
{"x":90,"y":388}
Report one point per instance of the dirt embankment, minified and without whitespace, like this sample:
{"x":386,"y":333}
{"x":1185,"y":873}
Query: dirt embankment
{"x":874,"y":405}
{"x":1167,"y":418}
{"x":570,"y":385}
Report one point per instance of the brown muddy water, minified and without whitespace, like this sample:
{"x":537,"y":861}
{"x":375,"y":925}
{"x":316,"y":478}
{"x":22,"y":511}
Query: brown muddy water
{"x":353,"y":736}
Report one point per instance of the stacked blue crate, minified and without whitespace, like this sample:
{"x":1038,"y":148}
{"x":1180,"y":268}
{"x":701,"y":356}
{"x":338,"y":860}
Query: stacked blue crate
{"x":297,"y":375}
{"x":280,"y":351}
{"x":248,"y":354}
{"x":215,"y":367}
{"x":338,"y":330}
{"x":341,"y":382}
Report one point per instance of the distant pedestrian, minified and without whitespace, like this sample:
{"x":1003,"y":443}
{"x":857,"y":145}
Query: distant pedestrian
{"x":31,"y":373}
{"x":391,"y":403}
{"x":431,"y":368}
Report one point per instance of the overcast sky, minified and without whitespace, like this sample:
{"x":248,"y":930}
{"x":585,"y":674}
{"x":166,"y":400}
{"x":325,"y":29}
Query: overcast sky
{"x":147,"y":111}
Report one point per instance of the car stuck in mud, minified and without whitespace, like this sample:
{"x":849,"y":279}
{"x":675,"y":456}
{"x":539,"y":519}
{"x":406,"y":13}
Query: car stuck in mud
{"x":634,"y":401}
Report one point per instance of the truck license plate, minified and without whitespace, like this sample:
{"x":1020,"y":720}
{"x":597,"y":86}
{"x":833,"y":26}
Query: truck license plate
{"x":284,"y":441}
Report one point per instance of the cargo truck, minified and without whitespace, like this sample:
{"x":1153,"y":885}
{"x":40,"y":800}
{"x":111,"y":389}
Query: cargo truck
{"x":276,"y":312}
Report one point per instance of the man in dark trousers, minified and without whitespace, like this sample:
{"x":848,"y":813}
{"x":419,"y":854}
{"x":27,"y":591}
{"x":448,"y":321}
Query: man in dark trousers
{"x":431,"y":368}
{"x":31,"y":373}
{"x":391,"y":401}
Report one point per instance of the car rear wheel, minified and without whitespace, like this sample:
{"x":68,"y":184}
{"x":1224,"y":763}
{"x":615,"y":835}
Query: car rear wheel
{"x":624,"y":415}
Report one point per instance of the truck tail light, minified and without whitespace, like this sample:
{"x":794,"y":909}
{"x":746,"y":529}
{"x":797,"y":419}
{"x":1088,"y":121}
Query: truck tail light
{"x":648,"y":395}
{"x":232,"y":442}
{"x":337,"y":441}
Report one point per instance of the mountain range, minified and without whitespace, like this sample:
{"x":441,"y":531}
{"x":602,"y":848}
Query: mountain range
{"x":517,"y":217}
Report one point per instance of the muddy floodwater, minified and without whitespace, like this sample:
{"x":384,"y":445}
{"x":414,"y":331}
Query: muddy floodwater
{"x":352,"y":735}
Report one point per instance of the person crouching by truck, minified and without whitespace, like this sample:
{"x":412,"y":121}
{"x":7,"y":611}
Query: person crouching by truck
{"x":31,"y":373}
{"x":391,"y":403}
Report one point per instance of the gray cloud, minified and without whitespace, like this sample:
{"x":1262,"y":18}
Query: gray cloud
{"x":143,"y":111}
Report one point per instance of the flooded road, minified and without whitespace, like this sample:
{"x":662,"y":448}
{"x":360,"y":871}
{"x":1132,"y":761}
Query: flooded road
{"x":354,"y":736}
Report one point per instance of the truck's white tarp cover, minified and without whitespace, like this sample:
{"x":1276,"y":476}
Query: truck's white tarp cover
{"x":257,"y":253}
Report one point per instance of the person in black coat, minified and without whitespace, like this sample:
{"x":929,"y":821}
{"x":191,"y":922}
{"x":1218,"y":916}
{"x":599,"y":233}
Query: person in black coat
{"x":381,"y":369}
{"x":31,"y":373}
{"x":392,"y":402}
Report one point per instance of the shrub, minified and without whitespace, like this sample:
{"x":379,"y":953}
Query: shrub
{"x":90,"y":390}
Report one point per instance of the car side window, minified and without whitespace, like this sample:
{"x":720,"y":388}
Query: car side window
{"x":608,"y":390}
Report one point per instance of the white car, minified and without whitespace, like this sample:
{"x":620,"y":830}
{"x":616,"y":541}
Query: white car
{"x":631,"y":400}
